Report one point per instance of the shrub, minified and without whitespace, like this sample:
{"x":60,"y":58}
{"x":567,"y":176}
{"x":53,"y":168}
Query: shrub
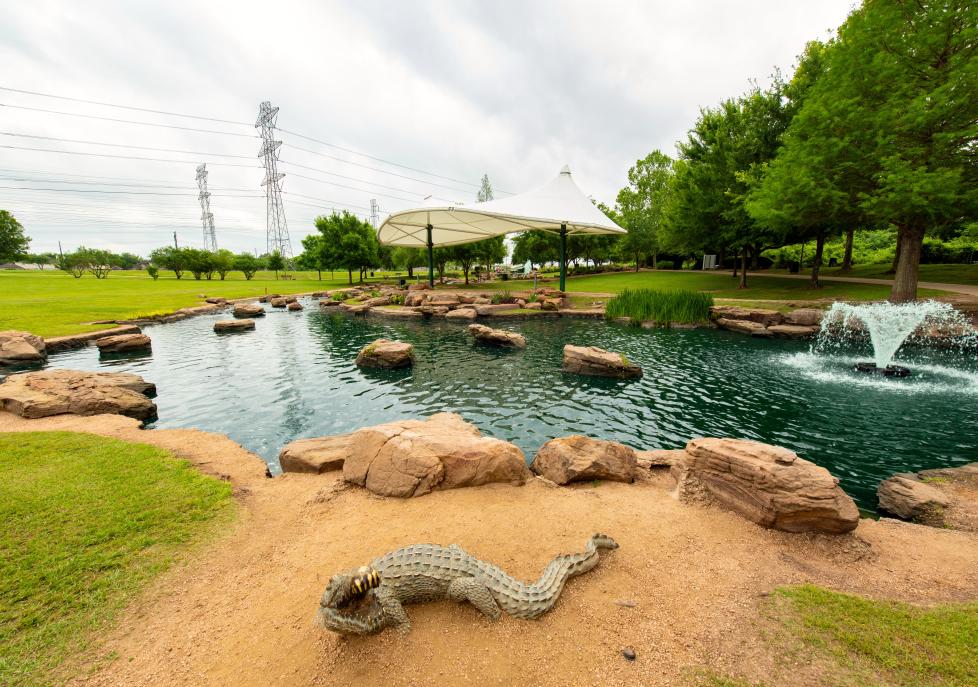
{"x":153,"y":271}
{"x":661,"y":307}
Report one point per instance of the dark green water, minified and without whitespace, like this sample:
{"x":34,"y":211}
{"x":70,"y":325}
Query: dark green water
{"x":294,"y":377}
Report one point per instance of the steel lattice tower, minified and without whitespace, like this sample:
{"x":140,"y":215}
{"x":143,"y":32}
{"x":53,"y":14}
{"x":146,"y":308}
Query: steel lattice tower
{"x":277,"y":229}
{"x":374,"y":213}
{"x":206,"y":216}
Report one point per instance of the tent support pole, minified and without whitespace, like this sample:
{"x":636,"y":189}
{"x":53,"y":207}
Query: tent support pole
{"x":563,"y":257}
{"x":431,"y":260}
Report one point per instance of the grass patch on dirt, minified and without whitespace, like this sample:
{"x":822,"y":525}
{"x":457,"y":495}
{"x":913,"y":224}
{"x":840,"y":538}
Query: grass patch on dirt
{"x":85,"y":522}
{"x":884,"y":643}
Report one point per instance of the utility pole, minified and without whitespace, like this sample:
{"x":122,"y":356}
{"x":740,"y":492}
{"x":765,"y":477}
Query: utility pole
{"x":276,"y":228}
{"x":175,"y":241}
{"x":206,"y":216}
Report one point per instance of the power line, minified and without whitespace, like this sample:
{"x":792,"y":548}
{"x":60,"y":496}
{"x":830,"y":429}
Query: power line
{"x":124,"y":107}
{"x":378,"y":159}
{"x":125,"y":121}
{"x":133,"y":193}
{"x":121,"y":157}
{"x":123,"y":145}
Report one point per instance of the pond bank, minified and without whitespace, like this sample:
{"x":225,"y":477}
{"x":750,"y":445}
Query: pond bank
{"x":686,"y":589}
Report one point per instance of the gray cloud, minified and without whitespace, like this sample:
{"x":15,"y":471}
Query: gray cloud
{"x":458,"y":88}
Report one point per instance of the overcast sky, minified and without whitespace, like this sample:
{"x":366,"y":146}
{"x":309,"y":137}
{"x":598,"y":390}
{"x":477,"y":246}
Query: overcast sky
{"x":456,"y":89}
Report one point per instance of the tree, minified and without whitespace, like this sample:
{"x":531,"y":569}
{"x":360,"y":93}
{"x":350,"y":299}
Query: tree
{"x":126,"y":261}
{"x":199,"y":262}
{"x":247,"y":264}
{"x":153,"y":271}
{"x":407,"y":258}
{"x":641,"y":203}
{"x":895,"y":110}
{"x":276,"y":262}
{"x":349,"y":243}
{"x":41,"y":259}
{"x":485,"y":190}
{"x":170,"y":258}
{"x":223,"y":262}
{"x":13,"y":242}
{"x":75,"y":264}
{"x":99,"y":262}
{"x":463,"y":255}
{"x":536,"y":246}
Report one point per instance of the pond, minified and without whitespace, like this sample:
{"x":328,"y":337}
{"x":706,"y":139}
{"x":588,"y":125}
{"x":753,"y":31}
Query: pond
{"x":294,"y":377}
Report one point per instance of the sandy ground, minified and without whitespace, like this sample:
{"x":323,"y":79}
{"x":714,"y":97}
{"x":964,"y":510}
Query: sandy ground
{"x":693,"y":580}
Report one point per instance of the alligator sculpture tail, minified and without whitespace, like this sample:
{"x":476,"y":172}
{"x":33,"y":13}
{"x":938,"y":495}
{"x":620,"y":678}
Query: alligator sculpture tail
{"x":523,"y":600}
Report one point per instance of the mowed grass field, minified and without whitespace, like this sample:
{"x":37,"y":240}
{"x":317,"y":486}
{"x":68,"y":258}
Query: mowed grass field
{"x":55,"y":303}
{"x":718,"y":284}
{"x":942,"y":274}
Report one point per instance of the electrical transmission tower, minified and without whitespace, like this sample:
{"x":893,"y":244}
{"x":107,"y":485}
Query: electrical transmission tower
{"x":206,"y":216}
{"x":277,"y":230}
{"x":374,"y":213}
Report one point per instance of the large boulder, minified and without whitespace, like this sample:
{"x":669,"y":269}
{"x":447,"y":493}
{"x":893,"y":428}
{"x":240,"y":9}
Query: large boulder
{"x":316,"y":455}
{"x":461,"y":314}
{"x":278,"y":302}
{"x":793,"y":331}
{"x":60,"y":392}
{"x":906,"y":496}
{"x":249,"y":310}
{"x":580,"y":459}
{"x":590,"y":360}
{"x":21,"y":347}
{"x":386,"y":353}
{"x":413,"y":457}
{"x":234,"y":325}
{"x":743,"y":326}
{"x":735,"y":312}
{"x":769,"y":485}
{"x":123,"y":343}
{"x":496,"y":337}
{"x":294,"y":306}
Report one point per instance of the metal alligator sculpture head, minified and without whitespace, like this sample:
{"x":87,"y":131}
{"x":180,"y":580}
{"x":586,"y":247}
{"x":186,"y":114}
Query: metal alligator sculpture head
{"x":350,"y":604}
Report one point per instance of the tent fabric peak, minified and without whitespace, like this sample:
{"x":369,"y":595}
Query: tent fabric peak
{"x":558,"y":203}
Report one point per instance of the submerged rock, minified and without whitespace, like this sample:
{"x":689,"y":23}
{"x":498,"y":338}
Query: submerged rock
{"x":769,"y":485}
{"x":386,"y":353}
{"x":59,"y":392}
{"x":580,"y":459}
{"x":413,"y":457}
{"x":497,"y":337}
{"x":123,"y":343}
{"x":21,"y":347}
{"x":590,"y":360}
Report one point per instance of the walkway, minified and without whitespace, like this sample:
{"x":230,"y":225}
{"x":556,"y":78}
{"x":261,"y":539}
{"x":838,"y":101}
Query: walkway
{"x":966,"y":289}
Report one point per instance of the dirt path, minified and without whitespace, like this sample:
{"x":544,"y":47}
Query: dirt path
{"x":693,"y":579}
{"x":965,"y":289}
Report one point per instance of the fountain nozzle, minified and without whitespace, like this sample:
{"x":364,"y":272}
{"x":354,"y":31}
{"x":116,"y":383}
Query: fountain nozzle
{"x":888,"y":371}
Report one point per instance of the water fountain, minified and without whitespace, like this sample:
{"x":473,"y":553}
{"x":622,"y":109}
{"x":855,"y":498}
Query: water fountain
{"x":890,"y":325}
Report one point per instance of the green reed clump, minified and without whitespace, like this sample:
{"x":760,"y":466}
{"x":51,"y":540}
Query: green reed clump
{"x":661,"y":307}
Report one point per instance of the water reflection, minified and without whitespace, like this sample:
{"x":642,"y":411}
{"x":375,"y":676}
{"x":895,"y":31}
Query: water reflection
{"x":294,"y":377}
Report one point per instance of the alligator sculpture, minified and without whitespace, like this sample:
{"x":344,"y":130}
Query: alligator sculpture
{"x":370,"y":599}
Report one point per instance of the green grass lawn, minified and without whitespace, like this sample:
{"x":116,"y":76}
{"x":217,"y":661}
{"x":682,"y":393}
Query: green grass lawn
{"x":943,"y":274}
{"x":885,"y":643}
{"x":720,"y":285}
{"x":85,"y":522}
{"x":55,"y":303}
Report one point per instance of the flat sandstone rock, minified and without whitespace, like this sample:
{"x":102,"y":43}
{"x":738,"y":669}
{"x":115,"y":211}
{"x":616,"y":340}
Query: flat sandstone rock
{"x":496,"y":337}
{"x":316,"y":455}
{"x":59,"y":392}
{"x":234,"y":325}
{"x":769,"y":485}
{"x":21,"y":347}
{"x":590,"y":360}
{"x":123,"y":343}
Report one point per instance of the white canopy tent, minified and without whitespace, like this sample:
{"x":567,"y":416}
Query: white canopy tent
{"x":559,"y":206}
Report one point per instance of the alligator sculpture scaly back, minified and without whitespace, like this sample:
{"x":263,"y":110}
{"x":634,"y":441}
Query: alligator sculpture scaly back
{"x":370,"y":599}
